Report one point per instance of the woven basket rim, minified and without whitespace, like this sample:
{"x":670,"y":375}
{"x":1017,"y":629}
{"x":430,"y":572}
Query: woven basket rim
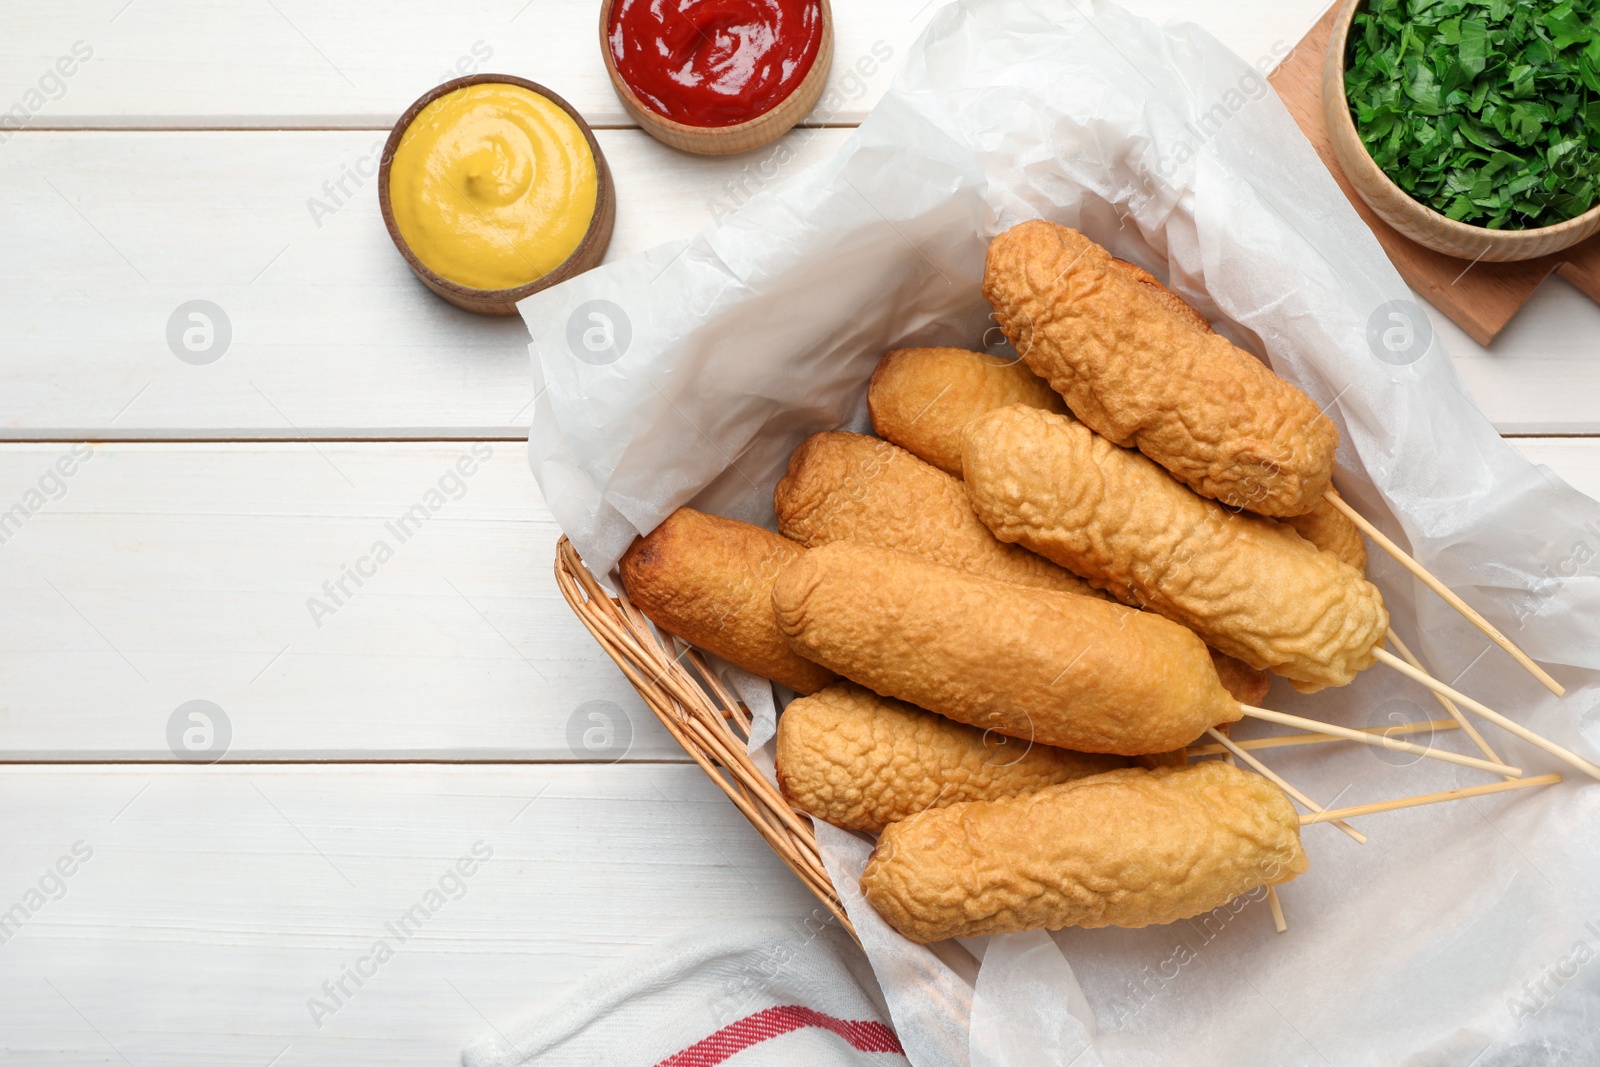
{"x":706,"y":719}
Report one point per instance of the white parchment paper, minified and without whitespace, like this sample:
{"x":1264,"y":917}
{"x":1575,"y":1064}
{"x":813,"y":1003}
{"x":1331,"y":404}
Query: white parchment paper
{"x":1464,"y":933}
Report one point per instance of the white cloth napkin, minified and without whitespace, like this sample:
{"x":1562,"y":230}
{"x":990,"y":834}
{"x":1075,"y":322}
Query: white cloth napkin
{"x":748,"y":993}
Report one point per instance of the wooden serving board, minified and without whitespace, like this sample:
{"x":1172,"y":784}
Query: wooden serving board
{"x":1480,"y":297}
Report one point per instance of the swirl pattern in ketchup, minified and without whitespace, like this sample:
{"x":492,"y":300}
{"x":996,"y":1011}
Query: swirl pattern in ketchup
{"x":713,"y":62}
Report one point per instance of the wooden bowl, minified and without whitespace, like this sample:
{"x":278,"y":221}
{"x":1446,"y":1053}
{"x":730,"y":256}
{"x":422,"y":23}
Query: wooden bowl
{"x":740,"y":137}
{"x":503,"y":301}
{"x":1410,"y":217}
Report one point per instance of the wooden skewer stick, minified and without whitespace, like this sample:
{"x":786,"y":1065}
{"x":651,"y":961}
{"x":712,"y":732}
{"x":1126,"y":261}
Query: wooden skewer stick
{"x":1380,"y":740}
{"x":1291,"y":740}
{"x":1429,"y":798}
{"x":1278,"y":922}
{"x":1449,"y":705}
{"x":1422,"y":574}
{"x":1272,"y":776}
{"x":1488,"y":713}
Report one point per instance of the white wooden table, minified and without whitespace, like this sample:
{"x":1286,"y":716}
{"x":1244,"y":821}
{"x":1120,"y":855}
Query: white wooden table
{"x":224,"y":153}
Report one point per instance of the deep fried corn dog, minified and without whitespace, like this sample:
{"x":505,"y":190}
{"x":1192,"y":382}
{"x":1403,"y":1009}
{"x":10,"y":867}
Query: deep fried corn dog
{"x":922,"y":398}
{"x":845,"y":487}
{"x":1167,"y":298}
{"x":1220,"y":420}
{"x":1054,"y":668}
{"x":1324,"y":525}
{"x":907,"y":380}
{"x":1327,"y":527}
{"x":709,"y":580}
{"x":861,"y":761}
{"x":1126,"y":848}
{"x":848,"y":487}
{"x":1245,"y":683}
{"x":1251,"y":587}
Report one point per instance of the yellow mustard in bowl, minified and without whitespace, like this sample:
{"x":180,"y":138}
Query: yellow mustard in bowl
{"x":493,"y":186}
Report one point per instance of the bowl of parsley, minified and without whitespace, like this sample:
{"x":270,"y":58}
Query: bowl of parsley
{"x":1471,"y":126}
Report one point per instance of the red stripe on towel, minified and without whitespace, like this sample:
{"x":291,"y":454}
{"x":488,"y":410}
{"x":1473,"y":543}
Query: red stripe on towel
{"x":864,"y":1036}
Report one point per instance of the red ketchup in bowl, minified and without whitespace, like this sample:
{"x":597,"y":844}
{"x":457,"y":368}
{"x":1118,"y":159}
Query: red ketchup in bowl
{"x":713,"y":62}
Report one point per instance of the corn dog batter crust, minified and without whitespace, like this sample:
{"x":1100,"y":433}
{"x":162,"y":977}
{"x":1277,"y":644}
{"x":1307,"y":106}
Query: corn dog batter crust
{"x":1252,"y":587}
{"x":1142,"y":376}
{"x":1245,"y":683}
{"x":861,"y":761}
{"x":709,"y":580}
{"x":921,"y":373}
{"x":1326,"y":527}
{"x":922,"y":398}
{"x":1166,"y":297}
{"x":1048,"y":667}
{"x":1126,"y":848}
{"x":849,"y":487}
{"x":950,"y":387}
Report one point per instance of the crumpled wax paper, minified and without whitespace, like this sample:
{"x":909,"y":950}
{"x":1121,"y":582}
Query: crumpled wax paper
{"x":1463,"y":933}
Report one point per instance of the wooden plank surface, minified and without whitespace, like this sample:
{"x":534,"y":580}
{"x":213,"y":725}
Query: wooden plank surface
{"x":1541,"y":375}
{"x":218,"y":899}
{"x":1575,"y":459}
{"x":213,"y":904}
{"x":294,"y":63}
{"x":279,"y":63}
{"x":109,"y":234}
{"x":331,"y":336}
{"x":155,"y":575}
{"x":165,"y":574}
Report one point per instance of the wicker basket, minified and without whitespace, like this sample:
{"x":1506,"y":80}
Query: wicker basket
{"x":697,"y":709}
